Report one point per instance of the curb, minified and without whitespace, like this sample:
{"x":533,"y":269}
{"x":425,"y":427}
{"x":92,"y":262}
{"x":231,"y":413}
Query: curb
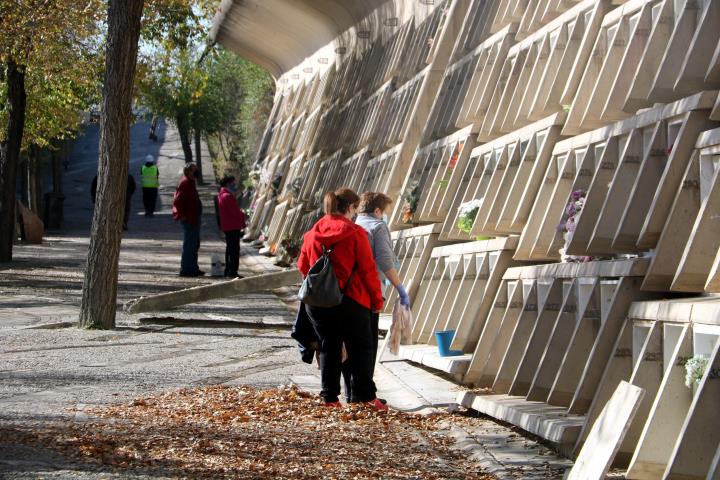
{"x":50,"y":326}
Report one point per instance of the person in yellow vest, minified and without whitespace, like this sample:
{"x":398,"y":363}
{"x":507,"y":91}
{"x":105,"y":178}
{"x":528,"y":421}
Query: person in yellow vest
{"x":150,"y":180}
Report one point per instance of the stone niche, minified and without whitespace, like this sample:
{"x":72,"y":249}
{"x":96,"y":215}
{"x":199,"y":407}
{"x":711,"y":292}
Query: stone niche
{"x":455,"y":292}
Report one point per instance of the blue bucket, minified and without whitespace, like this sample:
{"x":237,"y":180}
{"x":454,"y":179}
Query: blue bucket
{"x":444,"y":339}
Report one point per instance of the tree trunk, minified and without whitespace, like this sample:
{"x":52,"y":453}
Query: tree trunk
{"x":183,"y":126}
{"x":10,"y":155}
{"x":222,"y":147}
{"x":198,"y":155}
{"x":99,"y":294}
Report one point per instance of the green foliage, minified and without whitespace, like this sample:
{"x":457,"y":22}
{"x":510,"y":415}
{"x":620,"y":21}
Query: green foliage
{"x":466,"y":215}
{"x":465,"y":224}
{"x":61,"y":47}
{"x":206,"y":89}
{"x":244,"y":93}
{"x":172,"y":84}
{"x":58,"y":45}
{"x":412,"y":196}
{"x":178,"y":23}
{"x":289,"y":248}
{"x":695,"y":369}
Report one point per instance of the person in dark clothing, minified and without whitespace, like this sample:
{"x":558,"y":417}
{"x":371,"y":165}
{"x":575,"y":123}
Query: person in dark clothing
{"x":130,"y":189}
{"x":153,"y":127}
{"x":304,"y":333}
{"x":349,"y":322}
{"x":232,"y":223}
{"x":187,"y":209}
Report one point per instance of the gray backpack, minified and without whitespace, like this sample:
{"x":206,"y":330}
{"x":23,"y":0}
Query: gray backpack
{"x":320,"y":287}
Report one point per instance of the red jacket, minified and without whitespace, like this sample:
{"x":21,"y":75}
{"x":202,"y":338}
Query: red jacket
{"x":186,"y":202}
{"x":352,"y":247}
{"x":231,"y":217}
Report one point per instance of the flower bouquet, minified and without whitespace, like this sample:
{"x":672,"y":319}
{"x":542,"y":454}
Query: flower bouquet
{"x":412,"y":198}
{"x":296,"y":186}
{"x":264,"y":234}
{"x":248,"y":214}
{"x":288,"y":250}
{"x":568,"y":223}
{"x":254,"y":177}
{"x":275,"y":185}
{"x":694,"y":370}
{"x":317,"y":197}
{"x":467,"y":213}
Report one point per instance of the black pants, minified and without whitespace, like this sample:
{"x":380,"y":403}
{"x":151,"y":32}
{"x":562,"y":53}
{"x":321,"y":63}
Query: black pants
{"x":149,"y":199}
{"x":232,"y":253}
{"x":375,"y":332}
{"x":348,"y":323}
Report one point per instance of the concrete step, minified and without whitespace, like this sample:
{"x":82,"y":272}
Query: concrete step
{"x":546,"y":421}
{"x":429,"y":356}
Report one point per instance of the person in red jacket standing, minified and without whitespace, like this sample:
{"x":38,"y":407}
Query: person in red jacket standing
{"x":187,"y":209}
{"x":232,"y":223}
{"x":349,"y":322}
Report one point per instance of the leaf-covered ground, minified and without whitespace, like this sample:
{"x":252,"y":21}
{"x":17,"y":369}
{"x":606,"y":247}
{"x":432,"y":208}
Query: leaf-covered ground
{"x":243,"y":432}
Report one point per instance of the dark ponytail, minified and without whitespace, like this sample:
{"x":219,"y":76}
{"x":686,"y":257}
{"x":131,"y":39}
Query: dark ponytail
{"x":339,"y":201}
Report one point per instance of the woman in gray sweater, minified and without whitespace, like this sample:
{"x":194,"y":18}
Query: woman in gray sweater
{"x":372,"y":217}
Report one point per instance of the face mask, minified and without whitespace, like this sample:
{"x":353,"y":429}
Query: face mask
{"x":385,"y":218}
{"x":232,"y":187}
{"x":196,"y":174}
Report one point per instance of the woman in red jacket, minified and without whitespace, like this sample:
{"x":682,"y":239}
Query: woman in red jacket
{"x":187,"y":209}
{"x":232,"y":223}
{"x":349,"y":322}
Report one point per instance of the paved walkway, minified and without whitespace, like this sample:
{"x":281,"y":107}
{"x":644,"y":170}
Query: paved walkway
{"x":50,"y":371}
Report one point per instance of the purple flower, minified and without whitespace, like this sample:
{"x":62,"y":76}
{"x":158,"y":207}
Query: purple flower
{"x":570,"y":225}
{"x":577,"y":194}
{"x":570,"y":209}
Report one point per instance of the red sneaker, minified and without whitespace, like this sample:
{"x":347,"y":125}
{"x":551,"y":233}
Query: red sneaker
{"x":377,"y":405}
{"x":333,"y":404}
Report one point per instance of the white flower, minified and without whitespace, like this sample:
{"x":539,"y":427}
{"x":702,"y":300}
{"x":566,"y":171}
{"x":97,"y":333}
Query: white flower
{"x":265,"y":175}
{"x":468,"y":207}
{"x":695,"y":369}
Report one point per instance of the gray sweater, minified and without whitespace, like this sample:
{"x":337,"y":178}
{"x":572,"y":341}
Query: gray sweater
{"x":380,"y":243}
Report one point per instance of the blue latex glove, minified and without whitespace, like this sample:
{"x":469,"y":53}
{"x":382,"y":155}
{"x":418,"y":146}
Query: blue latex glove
{"x":404,"y":297}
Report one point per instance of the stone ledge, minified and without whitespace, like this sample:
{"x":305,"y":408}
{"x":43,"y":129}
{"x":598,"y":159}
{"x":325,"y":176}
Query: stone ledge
{"x":416,"y":231}
{"x":549,"y":422}
{"x":704,"y":309}
{"x":478,"y":246}
{"x":428,"y":356}
{"x":635,"y":267}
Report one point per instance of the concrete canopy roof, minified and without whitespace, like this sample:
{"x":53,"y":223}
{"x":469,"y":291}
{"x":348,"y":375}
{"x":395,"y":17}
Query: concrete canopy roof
{"x":280,"y":34}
